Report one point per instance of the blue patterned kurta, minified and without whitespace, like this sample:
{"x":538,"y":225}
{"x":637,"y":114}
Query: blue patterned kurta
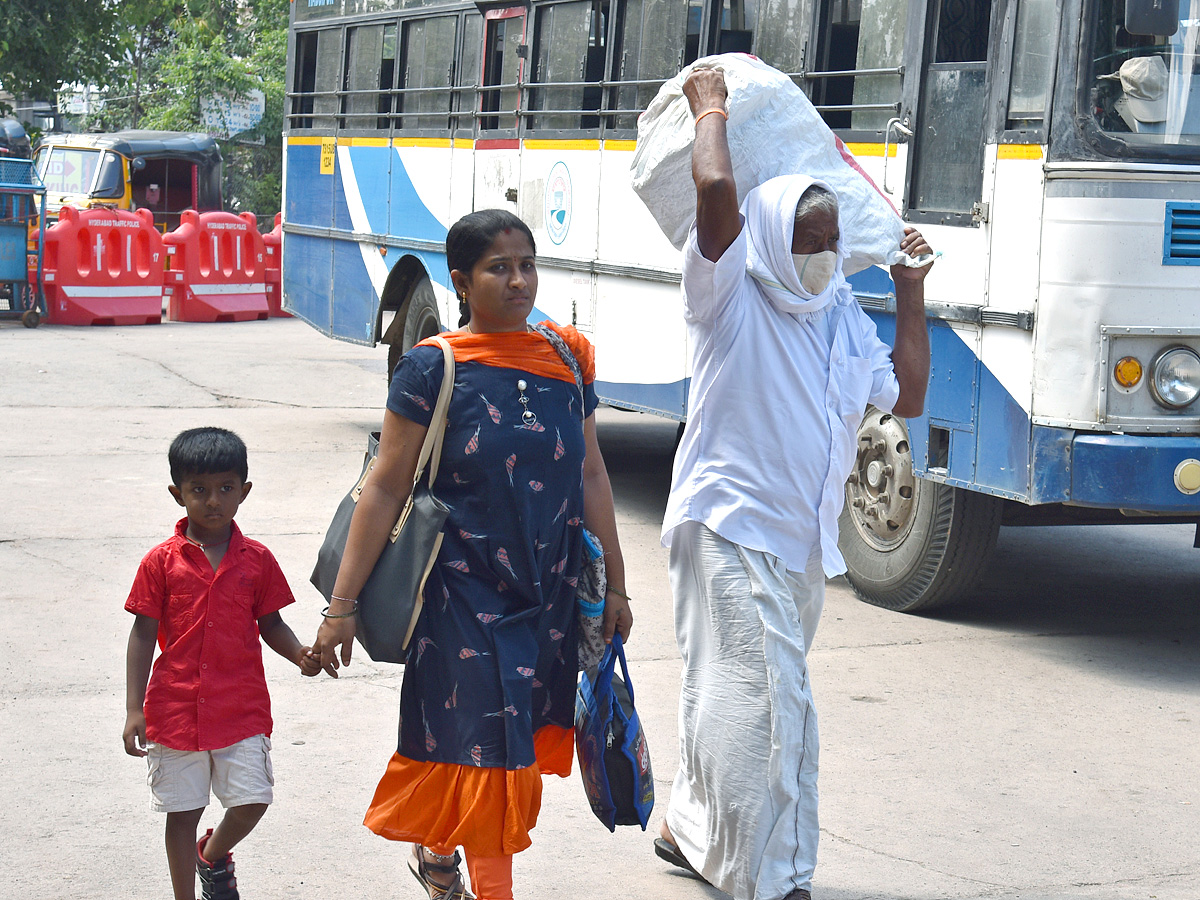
{"x":493,"y":655}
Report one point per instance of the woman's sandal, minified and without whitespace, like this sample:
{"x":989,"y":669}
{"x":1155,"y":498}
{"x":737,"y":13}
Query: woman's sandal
{"x":421,"y":867}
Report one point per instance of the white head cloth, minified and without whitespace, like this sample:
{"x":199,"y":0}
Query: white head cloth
{"x":770,"y":214}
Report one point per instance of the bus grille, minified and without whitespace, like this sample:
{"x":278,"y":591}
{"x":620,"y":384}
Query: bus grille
{"x":1181,"y":240}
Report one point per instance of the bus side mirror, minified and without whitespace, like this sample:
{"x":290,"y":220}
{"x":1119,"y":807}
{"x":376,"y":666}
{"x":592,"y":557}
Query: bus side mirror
{"x":139,"y":162}
{"x":1159,"y":17}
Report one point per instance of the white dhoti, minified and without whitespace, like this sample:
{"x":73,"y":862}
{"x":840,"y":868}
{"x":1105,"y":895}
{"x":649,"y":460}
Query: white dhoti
{"x":743,"y":807}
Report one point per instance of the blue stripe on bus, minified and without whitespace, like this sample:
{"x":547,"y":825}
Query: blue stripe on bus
{"x":314,"y":204}
{"x":309,"y":268}
{"x":988,"y":430}
{"x":354,"y":313}
{"x":669,"y":400}
{"x":371,"y":174}
{"x":1132,"y":471}
{"x":410,"y":217}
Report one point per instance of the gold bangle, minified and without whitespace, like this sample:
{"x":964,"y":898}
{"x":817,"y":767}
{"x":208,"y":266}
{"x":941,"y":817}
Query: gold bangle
{"x":613,"y":590}
{"x":708,"y":112}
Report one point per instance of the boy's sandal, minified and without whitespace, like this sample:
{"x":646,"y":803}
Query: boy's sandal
{"x":420,"y":867}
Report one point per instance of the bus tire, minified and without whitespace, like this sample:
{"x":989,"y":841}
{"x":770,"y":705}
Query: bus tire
{"x":420,"y":321}
{"x":910,"y":545}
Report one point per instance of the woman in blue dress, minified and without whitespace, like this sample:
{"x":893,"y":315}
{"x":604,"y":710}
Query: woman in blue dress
{"x":488,"y":700}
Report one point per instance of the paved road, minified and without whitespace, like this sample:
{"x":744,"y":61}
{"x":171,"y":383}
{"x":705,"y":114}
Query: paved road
{"x":1040,"y":742}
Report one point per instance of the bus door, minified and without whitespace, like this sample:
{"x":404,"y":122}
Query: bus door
{"x":498,"y":147}
{"x":946,"y":184}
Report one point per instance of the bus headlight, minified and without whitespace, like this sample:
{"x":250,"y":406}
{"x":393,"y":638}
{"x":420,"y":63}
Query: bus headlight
{"x":1175,"y":377}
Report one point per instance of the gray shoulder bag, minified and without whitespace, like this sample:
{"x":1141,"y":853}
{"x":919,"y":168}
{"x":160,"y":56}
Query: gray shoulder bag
{"x":390,"y":602}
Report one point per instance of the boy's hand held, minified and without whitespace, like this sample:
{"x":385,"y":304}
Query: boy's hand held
{"x":308,"y":662}
{"x":135,"y":733}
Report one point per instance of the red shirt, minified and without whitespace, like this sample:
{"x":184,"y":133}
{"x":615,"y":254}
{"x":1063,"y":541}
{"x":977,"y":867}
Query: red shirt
{"x":208,"y":689}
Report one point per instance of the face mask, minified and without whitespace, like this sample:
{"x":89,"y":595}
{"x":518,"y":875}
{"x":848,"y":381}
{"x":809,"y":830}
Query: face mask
{"x":815,"y":269}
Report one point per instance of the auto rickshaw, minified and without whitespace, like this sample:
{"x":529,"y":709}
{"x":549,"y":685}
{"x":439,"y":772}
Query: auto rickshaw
{"x":165,"y":172}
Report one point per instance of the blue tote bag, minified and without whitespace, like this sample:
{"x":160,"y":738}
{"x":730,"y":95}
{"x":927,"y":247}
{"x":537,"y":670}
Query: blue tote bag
{"x":614,"y":759}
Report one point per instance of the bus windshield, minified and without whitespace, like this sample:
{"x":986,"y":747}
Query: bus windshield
{"x":1145,"y":88}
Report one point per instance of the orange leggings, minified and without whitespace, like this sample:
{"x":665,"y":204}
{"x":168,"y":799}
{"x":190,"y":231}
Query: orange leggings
{"x":491,"y":876}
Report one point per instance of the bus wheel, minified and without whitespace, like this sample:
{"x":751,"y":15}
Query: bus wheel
{"x":420,"y":322}
{"x":910,"y":544}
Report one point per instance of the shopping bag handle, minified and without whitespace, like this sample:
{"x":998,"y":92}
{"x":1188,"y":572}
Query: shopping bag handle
{"x":608,"y":667}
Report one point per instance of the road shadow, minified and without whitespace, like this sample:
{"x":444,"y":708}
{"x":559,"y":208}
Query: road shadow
{"x":638,"y":451}
{"x":1132,"y":591}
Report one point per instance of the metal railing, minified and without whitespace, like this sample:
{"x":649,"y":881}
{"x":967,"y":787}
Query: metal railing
{"x":395,"y":117}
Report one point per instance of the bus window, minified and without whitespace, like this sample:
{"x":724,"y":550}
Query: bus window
{"x":947,"y":173}
{"x":695,"y":26}
{"x":501,"y":68}
{"x":361,"y":77}
{"x":856,"y":36}
{"x":468,"y":75}
{"x":387,"y":80}
{"x":783,"y":34}
{"x":427,"y":61}
{"x":736,"y":31}
{"x":1033,"y":63}
{"x":569,"y":45}
{"x":1145,"y":89}
{"x":651,"y":35}
{"x":962,"y":32}
{"x":315,"y":79}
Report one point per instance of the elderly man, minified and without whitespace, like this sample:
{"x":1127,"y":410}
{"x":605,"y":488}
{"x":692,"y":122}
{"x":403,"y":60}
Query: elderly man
{"x":784,"y":364}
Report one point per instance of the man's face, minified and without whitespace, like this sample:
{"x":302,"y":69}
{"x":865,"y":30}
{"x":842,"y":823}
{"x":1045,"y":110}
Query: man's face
{"x":816,"y":232}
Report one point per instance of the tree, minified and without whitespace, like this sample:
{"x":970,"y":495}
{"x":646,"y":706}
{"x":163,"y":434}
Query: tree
{"x":180,"y":54}
{"x":45,"y":44}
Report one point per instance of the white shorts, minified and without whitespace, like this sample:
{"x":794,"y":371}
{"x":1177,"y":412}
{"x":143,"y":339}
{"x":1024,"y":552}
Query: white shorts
{"x":238,"y":775}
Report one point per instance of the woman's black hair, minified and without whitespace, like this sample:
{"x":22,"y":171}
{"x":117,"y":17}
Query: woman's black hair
{"x":470,"y":237}
{"x":207,"y":451}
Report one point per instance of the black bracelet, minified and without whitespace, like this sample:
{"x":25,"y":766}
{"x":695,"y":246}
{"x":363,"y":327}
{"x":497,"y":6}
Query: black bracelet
{"x":327,"y":614}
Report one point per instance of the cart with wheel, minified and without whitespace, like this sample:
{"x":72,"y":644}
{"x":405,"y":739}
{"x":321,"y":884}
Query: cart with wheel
{"x":22,"y":227}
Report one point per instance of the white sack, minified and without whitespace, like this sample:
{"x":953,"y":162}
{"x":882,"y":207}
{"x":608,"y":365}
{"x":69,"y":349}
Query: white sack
{"x":773,"y":130}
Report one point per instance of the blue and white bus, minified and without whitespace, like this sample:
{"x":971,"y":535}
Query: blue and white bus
{"x":1049,"y":148}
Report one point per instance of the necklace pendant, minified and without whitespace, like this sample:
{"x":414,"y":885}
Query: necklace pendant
{"x":528,"y":417}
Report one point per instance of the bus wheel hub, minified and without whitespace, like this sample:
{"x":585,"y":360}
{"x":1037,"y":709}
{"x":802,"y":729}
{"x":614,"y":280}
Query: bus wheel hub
{"x":881,"y":489}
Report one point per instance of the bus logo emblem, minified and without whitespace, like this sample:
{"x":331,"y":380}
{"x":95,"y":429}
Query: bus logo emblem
{"x":558,"y":202}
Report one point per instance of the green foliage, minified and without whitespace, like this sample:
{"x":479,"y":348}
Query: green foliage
{"x":177,"y":54}
{"x":47,"y":43}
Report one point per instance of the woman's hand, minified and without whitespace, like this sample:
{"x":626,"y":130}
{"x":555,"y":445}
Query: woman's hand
{"x":617,"y":616}
{"x":332,"y":633}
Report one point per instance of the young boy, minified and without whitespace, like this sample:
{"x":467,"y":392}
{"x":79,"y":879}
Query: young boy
{"x":204,"y":720}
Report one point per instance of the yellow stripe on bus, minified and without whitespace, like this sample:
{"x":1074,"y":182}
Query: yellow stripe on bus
{"x":1019,"y":151}
{"x":305,"y":141}
{"x":620,"y":145}
{"x":562,"y":145}
{"x":871,"y":149}
{"x":442,"y":143}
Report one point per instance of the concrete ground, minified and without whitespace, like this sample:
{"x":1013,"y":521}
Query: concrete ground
{"x":1040,"y":742}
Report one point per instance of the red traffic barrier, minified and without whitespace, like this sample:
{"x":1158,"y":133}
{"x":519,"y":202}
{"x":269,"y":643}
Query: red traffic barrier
{"x":103,"y":267}
{"x":216,"y":268}
{"x":273,"y":241}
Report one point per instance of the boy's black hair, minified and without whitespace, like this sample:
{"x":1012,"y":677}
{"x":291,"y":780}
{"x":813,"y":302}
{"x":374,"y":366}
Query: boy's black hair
{"x":204,"y":451}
